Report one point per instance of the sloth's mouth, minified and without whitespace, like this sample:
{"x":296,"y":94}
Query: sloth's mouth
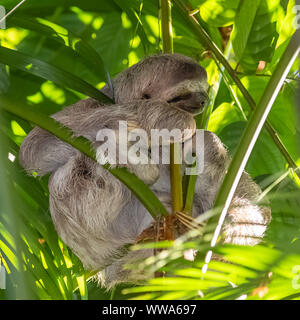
{"x":192,"y":102}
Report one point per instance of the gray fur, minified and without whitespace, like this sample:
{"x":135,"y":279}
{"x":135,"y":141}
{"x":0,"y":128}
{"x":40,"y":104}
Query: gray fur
{"x":93,"y":212}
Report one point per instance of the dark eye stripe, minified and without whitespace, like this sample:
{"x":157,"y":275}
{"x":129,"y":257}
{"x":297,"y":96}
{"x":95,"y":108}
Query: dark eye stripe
{"x":182,"y":97}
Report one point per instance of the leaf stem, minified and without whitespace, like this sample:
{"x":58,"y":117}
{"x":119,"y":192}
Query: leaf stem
{"x":166,"y":26}
{"x":190,"y":192}
{"x":175,"y":178}
{"x":252,"y":131}
{"x":175,"y":172}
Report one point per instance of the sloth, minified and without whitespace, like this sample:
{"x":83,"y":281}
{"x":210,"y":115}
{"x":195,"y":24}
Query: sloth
{"x":94,"y":213}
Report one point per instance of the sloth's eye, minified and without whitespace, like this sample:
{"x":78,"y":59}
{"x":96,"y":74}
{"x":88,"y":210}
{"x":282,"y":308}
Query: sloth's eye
{"x":146,"y":96}
{"x":180,"y":98}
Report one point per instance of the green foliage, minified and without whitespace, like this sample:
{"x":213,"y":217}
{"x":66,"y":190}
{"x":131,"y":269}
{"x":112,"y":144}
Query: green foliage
{"x":267,"y":271}
{"x":254,"y":34}
{"x":256,"y":26}
{"x":54,"y":53}
{"x":218,"y":12}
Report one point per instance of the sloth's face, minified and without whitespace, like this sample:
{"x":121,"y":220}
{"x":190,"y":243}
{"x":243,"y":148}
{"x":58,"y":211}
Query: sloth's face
{"x":172,"y":78}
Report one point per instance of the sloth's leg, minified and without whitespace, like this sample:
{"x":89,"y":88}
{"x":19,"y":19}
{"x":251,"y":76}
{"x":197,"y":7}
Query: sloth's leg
{"x":85,"y":203}
{"x":246,"y":221}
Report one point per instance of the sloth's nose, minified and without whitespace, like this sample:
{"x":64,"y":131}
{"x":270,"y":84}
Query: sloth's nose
{"x":193,"y":102}
{"x":200,"y":99}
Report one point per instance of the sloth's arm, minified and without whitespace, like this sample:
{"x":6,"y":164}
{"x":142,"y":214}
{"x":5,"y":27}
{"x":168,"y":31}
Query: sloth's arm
{"x":43,"y":152}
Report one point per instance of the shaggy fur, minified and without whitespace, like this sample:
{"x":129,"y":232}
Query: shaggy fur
{"x":94,"y":213}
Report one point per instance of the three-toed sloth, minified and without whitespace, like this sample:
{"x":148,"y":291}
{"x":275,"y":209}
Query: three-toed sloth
{"x":94,"y":213}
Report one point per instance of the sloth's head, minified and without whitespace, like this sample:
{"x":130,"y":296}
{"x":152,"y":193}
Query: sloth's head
{"x":172,"y":78}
